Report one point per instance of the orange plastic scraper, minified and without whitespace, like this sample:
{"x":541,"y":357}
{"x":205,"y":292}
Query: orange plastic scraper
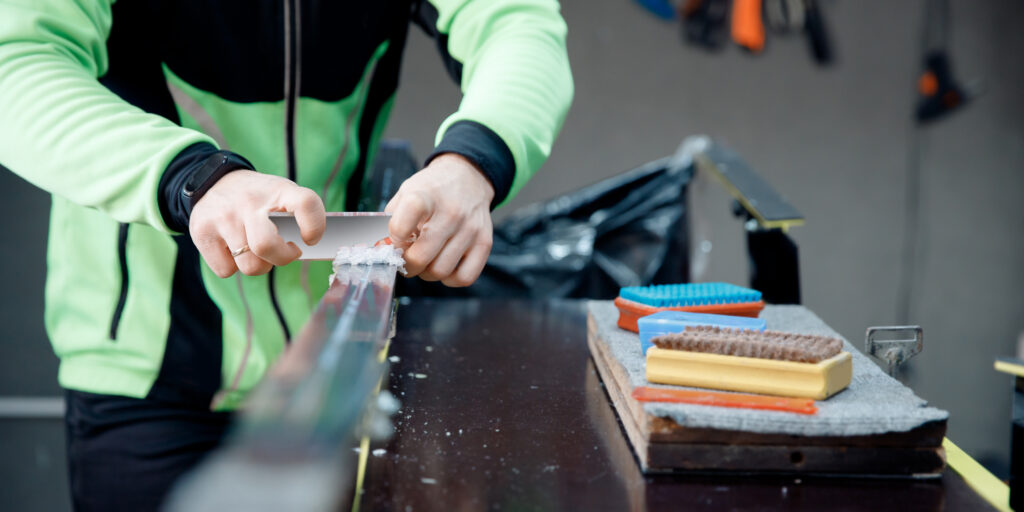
{"x":717,"y":399}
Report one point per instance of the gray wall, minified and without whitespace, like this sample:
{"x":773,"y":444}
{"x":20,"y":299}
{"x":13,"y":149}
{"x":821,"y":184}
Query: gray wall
{"x":834,"y":141}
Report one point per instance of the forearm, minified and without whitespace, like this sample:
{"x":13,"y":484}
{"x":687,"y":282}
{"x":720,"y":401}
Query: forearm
{"x":515,"y":79}
{"x":64,"y":131}
{"x":70,"y":136}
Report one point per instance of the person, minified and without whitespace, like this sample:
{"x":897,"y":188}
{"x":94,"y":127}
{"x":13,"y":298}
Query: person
{"x":167,"y":131}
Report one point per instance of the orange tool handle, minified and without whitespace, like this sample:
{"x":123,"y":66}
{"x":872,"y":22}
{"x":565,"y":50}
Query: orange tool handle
{"x":747,"y":27}
{"x":716,"y":399}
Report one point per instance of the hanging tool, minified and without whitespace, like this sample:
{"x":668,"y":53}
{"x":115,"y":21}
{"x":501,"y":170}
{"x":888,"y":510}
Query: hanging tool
{"x":660,"y":8}
{"x":939,"y":92}
{"x":704,"y":22}
{"x":817,"y":35}
{"x":747,"y":25}
{"x":784,"y":15}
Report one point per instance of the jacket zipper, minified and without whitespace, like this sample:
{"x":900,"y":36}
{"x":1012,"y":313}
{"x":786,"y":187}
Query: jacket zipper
{"x":122,"y":258}
{"x":291,"y":85}
{"x":291,"y":80}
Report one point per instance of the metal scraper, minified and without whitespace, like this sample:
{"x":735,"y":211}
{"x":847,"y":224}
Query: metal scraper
{"x":343,"y":228}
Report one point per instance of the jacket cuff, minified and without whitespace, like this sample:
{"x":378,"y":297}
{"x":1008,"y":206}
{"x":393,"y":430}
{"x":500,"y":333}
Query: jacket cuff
{"x":174,"y":205}
{"x":480,"y":145}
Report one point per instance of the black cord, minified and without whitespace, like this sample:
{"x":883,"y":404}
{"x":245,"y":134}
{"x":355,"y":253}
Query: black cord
{"x":934,"y":36}
{"x":914,"y":232}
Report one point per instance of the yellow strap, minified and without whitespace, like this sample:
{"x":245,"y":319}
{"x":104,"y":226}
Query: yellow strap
{"x":992,"y":489}
{"x":364,"y":449}
{"x":364,"y":446}
{"x":1010,"y":367}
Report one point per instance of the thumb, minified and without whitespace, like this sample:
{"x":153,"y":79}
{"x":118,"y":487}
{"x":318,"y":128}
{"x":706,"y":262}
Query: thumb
{"x":408,"y":212}
{"x":393,"y":203}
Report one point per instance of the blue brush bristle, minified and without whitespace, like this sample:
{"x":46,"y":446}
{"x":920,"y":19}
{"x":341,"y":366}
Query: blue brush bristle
{"x":689,"y":294}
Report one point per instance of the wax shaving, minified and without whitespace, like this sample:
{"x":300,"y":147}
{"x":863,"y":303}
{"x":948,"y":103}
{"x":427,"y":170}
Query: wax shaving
{"x":363,"y":255}
{"x":348,"y":257}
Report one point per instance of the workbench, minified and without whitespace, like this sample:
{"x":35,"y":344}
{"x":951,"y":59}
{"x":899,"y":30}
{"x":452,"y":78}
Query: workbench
{"x":502,"y":408}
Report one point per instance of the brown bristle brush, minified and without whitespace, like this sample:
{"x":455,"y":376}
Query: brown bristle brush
{"x":781,"y":346}
{"x":766,"y":362}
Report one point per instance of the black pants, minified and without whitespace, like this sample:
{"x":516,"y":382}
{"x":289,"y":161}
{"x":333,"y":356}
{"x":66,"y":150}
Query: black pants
{"x":126,"y":453}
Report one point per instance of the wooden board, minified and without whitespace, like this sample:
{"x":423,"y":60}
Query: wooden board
{"x":661,"y":445}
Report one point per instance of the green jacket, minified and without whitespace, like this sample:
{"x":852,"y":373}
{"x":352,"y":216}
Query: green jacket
{"x":110,"y":107}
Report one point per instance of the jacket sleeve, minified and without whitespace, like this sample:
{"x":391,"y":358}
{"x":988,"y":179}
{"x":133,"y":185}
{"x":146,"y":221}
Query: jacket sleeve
{"x":62,"y":130}
{"x":509,"y":57}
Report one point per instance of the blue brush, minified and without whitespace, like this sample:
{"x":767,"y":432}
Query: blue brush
{"x":672,"y":322}
{"x":689,"y":294}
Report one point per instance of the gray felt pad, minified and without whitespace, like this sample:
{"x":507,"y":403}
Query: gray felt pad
{"x":873,"y":404}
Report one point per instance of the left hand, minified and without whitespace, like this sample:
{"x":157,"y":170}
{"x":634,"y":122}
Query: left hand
{"x":441,"y":218}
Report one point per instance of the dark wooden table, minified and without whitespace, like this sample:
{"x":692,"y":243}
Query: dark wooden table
{"x":502,"y":409}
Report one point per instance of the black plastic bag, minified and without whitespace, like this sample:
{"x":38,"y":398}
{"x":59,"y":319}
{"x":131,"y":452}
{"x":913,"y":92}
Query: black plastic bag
{"x":627,"y":230}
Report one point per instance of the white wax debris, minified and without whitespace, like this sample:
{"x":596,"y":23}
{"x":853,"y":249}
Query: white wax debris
{"x":379,"y":452}
{"x":363,"y":255}
{"x":420,"y":375}
{"x":429,"y":481}
{"x":394,"y":359}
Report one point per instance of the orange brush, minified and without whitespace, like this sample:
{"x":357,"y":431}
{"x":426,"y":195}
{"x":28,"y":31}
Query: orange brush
{"x":717,"y":399}
{"x":630,"y":312}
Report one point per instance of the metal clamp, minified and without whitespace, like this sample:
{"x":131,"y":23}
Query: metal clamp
{"x":894,"y":348}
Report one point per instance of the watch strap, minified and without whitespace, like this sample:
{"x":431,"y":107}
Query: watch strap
{"x":212,"y":169}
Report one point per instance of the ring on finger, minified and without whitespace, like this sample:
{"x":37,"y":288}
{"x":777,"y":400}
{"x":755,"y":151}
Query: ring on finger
{"x":240,"y":251}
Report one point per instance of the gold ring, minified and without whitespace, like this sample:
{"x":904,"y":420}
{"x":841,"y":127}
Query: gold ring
{"x":240,"y":251}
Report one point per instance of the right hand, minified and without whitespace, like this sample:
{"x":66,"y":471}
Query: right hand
{"x":234,"y":213}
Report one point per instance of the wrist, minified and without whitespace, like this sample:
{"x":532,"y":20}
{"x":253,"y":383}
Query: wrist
{"x":486,"y":150}
{"x":182,"y":172}
{"x":470,"y":170}
{"x":213,"y":168}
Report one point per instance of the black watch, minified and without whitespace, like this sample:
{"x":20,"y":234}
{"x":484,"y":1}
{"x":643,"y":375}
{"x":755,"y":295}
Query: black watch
{"x":213,"y":169}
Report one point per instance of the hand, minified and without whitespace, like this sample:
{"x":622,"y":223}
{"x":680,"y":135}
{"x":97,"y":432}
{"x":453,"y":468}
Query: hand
{"x":441,"y":217}
{"x":234,"y":214}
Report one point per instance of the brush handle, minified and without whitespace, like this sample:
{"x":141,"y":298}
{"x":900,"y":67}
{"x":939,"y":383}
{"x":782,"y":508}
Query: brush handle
{"x":717,"y":399}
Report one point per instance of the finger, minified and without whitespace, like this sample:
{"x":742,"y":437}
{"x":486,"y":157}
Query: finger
{"x":247,"y":262}
{"x":444,"y":264}
{"x":265,"y":242}
{"x":251,"y":265}
{"x":390,"y":208}
{"x":471,"y":266}
{"x":309,"y":213}
{"x":409,"y":212}
{"x":432,"y":238}
{"x":216,"y":254}
{"x":213,"y":249}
